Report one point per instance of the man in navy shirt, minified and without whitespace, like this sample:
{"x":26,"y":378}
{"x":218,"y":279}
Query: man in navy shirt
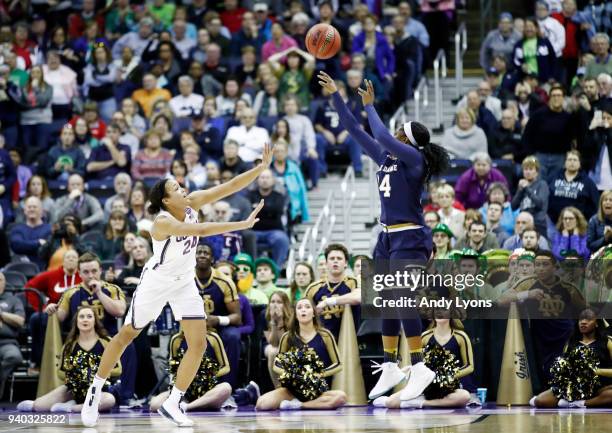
{"x":208,"y":137}
{"x":332,"y":138}
{"x":109,"y":158}
{"x":28,"y":237}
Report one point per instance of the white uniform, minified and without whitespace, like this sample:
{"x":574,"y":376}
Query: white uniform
{"x":168,"y":277}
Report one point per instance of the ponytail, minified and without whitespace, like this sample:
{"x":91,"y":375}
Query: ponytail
{"x":437,"y":160}
{"x":156,"y":195}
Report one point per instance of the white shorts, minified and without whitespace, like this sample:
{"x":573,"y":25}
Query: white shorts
{"x":154,"y":291}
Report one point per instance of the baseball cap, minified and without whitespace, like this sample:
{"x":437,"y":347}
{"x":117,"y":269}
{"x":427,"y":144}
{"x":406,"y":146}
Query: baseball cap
{"x":260,"y":7}
{"x":492,"y":71}
{"x":197,"y":114}
{"x":505,"y":16}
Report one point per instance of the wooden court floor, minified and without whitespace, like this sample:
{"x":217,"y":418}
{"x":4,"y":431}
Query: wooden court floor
{"x":349,"y":420}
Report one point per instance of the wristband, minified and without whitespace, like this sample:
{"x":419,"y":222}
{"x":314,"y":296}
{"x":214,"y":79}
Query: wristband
{"x":223,"y":320}
{"x":521,"y":296}
{"x":330,"y":302}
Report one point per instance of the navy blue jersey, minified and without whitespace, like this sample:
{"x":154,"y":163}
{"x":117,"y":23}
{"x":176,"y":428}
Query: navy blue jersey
{"x":217,"y":292}
{"x":401,"y":171}
{"x":459,"y":345}
{"x":328,"y":118}
{"x":323,"y":343}
{"x":214,"y":350}
{"x":331,"y":317}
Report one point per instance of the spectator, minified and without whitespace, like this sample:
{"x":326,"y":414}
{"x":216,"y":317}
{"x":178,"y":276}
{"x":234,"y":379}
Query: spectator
{"x":78,"y":20}
{"x":120,"y":19}
{"x":216,"y":71}
{"x":266,"y":101}
{"x":59,"y":43}
{"x":604,"y":81}
{"x":530,"y":239}
{"x":138,"y":199}
{"x":596,"y":152}
{"x":231,"y":17}
{"x":183,"y":42}
{"x":280,"y":42}
{"x":413,"y":26}
{"x":501,"y":80}
{"x":196,"y":173}
{"x":9,"y":110}
{"x":264,"y":24}
{"x":198,"y":52}
{"x":477,"y":238}
{"x":550,"y":133}
{"x":153,"y":161}
{"x":83,"y":138}
{"x":161,"y":122}
{"x":51,"y":284}
{"x":247,"y":35}
{"x":331,"y":137}
{"x":37,"y":187}
{"x":8,"y":177}
{"x":186,"y":102}
{"x":431,"y":218}
{"x":532,"y":194}
{"x":524,"y":221}
{"x":449,"y":215}
{"x":129,"y":276}
{"x":550,"y":28}
{"x":298,"y":28}
{"x":289,"y":173}
{"x":65,"y":237}
{"x":122,"y":184}
{"x":124,"y":258}
{"x":27,"y":238}
{"x":219,"y":35}
{"x":442,"y":238}
{"x":506,"y":138}
{"x":136,"y":123}
{"x":244,"y":264}
{"x":23,"y":173}
{"x":126,"y":136}
{"x":602,"y":63}
{"x":599,"y":231}
{"x":77,"y":201}
{"x":64,"y":158}
{"x":63,"y":80}
{"x":23,"y":46}
{"x":226,"y":102}
{"x":35,"y":118}
{"x":231,"y":161}
{"x":12,"y":317}
{"x":534,"y":54}
{"x":472,"y":185}
{"x":109,"y":158}
{"x":270,"y":230}
{"x":166,"y":64}
{"x":295,"y":75}
{"x":208,"y":136}
{"x":464,"y":140}
{"x":499,"y":42}
{"x":278,"y":315}
{"x":149,"y":94}
{"x":100,"y":77}
{"x":572,"y":187}
{"x":499,"y":193}
{"x":96,"y":126}
{"x":573,"y":24}
{"x":303,"y":276}
{"x":110,"y":243}
{"x":266,"y":274}
{"x":570,"y":236}
{"x":250,"y":138}
{"x":376,"y":49}
{"x":493,"y":221}
{"x":137,"y":40}
{"x":527,"y":101}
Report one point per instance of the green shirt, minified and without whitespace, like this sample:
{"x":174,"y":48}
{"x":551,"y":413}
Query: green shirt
{"x":256,"y":297}
{"x":530,"y":51}
{"x":18,"y":77}
{"x":164,"y":13}
{"x":594,"y":68}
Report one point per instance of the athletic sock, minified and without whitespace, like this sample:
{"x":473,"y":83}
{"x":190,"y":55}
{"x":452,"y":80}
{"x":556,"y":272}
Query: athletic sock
{"x":98,"y":383}
{"x":390,"y":356}
{"x":176,"y":395}
{"x":416,"y":357}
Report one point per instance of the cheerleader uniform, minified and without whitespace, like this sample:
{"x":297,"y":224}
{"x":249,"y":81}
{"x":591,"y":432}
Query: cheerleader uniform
{"x":214,"y":350}
{"x":459,"y":345}
{"x":603,"y":351}
{"x":78,"y":367}
{"x":331,"y":317}
{"x":323,"y":343}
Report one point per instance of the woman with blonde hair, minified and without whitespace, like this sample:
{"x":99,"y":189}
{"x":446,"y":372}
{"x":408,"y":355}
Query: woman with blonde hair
{"x":570,"y":235}
{"x":450,"y":215}
{"x":599,"y":230}
{"x":465,"y":139}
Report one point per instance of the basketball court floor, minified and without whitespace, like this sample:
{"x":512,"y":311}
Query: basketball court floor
{"x":349,"y":420}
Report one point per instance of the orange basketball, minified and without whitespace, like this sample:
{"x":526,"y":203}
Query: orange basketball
{"x":323,"y":41}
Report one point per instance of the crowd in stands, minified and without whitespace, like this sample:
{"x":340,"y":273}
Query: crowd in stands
{"x":98,"y":100}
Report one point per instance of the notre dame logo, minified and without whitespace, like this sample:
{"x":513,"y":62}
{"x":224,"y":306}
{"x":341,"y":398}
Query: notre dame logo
{"x":551,"y":306}
{"x":329,"y":312}
{"x":209,"y":304}
{"x":97,"y":308}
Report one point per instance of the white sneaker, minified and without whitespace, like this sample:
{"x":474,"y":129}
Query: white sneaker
{"x":532,"y":402}
{"x":290,"y":404}
{"x":89,"y":412}
{"x":415,"y":403}
{"x":561,"y":403}
{"x":391,"y":377}
{"x":26,"y":406}
{"x":577,"y":403}
{"x":230,"y":403}
{"x":63,"y":407}
{"x":380,"y":401}
{"x":173,"y":413}
{"x":420,"y":378}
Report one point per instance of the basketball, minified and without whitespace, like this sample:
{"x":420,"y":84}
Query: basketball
{"x":323,"y":41}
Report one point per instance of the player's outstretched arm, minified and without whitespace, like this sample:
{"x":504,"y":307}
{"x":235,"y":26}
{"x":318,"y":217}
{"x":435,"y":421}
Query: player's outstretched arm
{"x":348,"y":121}
{"x":406,"y":153}
{"x":200,"y":198}
{"x":165,"y":227}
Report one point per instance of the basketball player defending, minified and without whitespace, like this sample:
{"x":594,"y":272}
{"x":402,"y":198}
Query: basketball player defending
{"x":406,"y":163}
{"x":168,"y":277}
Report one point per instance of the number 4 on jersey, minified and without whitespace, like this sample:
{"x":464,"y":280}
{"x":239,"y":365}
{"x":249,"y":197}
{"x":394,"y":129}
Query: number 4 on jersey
{"x":385,"y":186}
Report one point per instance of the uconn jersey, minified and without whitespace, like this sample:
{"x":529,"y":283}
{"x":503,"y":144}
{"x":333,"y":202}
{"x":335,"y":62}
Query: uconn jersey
{"x":175,"y":255}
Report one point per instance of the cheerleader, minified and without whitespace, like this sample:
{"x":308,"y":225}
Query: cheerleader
{"x":305,"y":332}
{"x":81,"y":355}
{"x":204,"y":392}
{"x":278,"y":316}
{"x":445,"y":334}
{"x":406,"y":163}
{"x":589,"y":332}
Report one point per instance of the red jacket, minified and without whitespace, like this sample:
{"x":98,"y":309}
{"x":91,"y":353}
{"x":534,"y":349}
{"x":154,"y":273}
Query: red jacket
{"x":52,"y":284}
{"x":572,"y":35}
{"x":232,"y":19}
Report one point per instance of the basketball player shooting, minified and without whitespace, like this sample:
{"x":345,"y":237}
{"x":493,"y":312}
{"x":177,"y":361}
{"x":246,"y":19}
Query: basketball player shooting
{"x":406,"y":163}
{"x":169,"y":277}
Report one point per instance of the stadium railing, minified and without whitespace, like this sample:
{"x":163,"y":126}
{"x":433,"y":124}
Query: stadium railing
{"x":439,"y":66}
{"x":460,"y":49}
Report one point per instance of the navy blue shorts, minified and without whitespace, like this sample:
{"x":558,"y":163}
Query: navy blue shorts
{"x":414,"y":244}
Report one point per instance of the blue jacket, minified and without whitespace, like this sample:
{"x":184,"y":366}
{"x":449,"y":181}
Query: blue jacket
{"x":25,"y":240}
{"x":296,"y":190}
{"x":385,"y":59}
{"x":563,"y":243}
{"x":595,"y":233}
{"x":545,"y":55}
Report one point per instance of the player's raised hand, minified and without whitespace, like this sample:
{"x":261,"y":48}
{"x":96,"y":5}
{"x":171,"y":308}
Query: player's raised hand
{"x":327,"y":82}
{"x":367,"y":94}
{"x":252,"y":219}
{"x":266,"y":156}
